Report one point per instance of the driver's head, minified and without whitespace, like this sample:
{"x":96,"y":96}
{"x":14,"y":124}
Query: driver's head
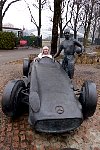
{"x":67,"y":33}
{"x":45,"y":50}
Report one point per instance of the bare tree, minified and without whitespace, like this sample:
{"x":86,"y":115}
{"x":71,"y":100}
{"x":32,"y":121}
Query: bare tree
{"x":75,"y":9}
{"x":69,"y":12}
{"x":2,"y":13}
{"x":95,"y":21}
{"x":40,"y":4}
{"x":61,"y":19}
{"x":99,"y":31}
{"x":73,"y":18}
{"x":73,"y":14}
{"x":78,"y":15}
{"x":89,"y":11}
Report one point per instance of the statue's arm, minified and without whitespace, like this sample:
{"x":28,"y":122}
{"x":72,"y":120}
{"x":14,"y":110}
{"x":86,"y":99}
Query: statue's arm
{"x":77,"y":43}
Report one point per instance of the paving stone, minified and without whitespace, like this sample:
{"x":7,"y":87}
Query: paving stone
{"x":18,"y":135}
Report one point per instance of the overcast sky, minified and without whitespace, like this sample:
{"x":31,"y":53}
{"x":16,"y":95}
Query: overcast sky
{"x":19,"y":16}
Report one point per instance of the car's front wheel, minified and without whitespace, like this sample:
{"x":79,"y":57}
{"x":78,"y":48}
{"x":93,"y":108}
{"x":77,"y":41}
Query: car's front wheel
{"x":88,"y":98}
{"x":12,"y":98}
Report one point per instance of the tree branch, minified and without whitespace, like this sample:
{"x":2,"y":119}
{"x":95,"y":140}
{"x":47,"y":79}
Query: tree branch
{"x":3,"y":2}
{"x":35,"y":6}
{"x":32,"y":18}
{"x":69,"y":21}
{"x":8,"y":7}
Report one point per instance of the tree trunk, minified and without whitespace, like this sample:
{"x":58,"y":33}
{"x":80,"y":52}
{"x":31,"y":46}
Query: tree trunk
{"x":0,"y":18}
{"x":86,"y":34}
{"x":84,"y":40}
{"x":60,"y":26}
{"x":99,"y":32}
{"x":54,"y":37}
{"x":56,"y":17}
{"x":94,"y":28}
{"x":39,"y":29}
{"x":88,"y":23}
{"x":75,"y":22}
{"x":75,"y":34}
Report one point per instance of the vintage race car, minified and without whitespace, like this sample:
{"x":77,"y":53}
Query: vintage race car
{"x":47,"y":92}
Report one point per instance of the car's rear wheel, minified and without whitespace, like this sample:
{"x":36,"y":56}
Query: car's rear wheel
{"x":88,"y":98}
{"x":12,"y":98}
{"x":26,"y":65}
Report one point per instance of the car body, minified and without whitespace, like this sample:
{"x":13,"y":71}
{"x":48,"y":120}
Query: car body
{"x":54,"y":105}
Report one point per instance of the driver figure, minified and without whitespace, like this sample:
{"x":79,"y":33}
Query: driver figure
{"x":68,"y":45}
{"x":45,"y":53}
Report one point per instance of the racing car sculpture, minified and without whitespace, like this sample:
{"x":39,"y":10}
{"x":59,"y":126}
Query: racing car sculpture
{"x":48,"y":93}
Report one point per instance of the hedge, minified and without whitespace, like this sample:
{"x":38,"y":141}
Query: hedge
{"x":7,"y":40}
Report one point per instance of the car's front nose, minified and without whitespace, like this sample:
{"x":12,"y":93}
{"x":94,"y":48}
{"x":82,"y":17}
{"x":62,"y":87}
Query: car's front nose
{"x":58,"y":125}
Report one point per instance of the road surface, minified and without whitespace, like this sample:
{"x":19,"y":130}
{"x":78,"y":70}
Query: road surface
{"x":13,"y":55}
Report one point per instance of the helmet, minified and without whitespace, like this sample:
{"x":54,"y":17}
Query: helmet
{"x":46,"y":47}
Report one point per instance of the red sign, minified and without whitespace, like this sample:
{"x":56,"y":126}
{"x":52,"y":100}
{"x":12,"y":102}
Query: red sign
{"x":23,"y":42}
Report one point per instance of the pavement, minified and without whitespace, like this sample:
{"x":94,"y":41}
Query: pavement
{"x":16,"y":54}
{"x":18,"y":135}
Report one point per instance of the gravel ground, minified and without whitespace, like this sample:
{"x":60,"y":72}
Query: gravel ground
{"x":17,"y":135}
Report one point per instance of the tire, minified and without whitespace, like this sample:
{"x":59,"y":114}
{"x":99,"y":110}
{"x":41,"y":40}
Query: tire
{"x":88,"y":98}
{"x":26,"y":66}
{"x":11,"y":99}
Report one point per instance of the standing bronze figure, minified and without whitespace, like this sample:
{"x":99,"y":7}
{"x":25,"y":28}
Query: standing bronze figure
{"x":69,"y":47}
